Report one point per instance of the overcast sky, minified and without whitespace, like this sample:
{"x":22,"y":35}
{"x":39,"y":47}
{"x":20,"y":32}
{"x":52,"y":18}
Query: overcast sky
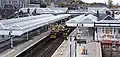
{"x":102,"y":1}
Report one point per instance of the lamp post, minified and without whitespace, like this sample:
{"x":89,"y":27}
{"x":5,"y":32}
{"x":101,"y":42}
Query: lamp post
{"x":27,"y":36}
{"x":75,"y":47}
{"x":70,"y":46}
{"x":11,"y":39}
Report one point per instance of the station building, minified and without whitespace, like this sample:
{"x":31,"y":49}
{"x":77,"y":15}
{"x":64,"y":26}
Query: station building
{"x":103,"y":26}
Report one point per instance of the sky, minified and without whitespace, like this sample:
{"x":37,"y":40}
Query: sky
{"x":102,"y":1}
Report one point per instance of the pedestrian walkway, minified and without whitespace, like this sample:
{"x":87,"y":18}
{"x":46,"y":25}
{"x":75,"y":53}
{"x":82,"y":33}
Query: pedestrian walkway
{"x":70,"y":48}
{"x":62,"y":50}
{"x":93,"y":50}
{"x":24,"y":46}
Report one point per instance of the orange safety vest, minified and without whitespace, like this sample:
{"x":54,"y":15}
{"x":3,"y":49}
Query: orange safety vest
{"x":83,"y":51}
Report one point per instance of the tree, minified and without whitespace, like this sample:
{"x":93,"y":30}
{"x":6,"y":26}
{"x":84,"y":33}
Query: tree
{"x":42,"y":4}
{"x":62,"y":4}
{"x":110,"y":3}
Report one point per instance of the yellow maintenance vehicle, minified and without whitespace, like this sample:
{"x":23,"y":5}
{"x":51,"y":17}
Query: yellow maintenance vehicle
{"x":56,"y":31}
{"x":65,"y":33}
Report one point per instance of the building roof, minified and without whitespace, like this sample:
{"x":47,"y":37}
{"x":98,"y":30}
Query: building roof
{"x":103,"y":10}
{"x":45,"y":10}
{"x":108,"y":19}
{"x":89,"y":18}
{"x":6,"y":23}
{"x":87,"y":21}
{"x":20,"y":27}
{"x":75,"y":20}
{"x":101,"y":16}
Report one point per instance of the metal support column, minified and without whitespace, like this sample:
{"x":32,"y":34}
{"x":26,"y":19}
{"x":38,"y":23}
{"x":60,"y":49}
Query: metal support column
{"x":27,"y":36}
{"x":75,"y":48}
{"x":11,"y":40}
{"x":94,"y":32}
{"x":70,"y":46}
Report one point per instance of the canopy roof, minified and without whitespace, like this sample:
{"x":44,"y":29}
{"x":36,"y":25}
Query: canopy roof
{"x":82,"y":19}
{"x":23,"y":25}
{"x":74,"y":21}
{"x":45,"y":10}
{"x":4,"y":24}
{"x":103,"y":10}
{"x":89,"y":19}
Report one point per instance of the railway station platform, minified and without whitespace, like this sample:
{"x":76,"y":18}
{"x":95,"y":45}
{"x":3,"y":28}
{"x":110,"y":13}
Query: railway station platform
{"x":24,"y":46}
{"x":93,"y":50}
{"x":74,"y":49}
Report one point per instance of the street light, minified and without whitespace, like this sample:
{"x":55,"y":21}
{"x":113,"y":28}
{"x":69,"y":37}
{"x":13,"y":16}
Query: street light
{"x":11,"y":38}
{"x":70,"y":46}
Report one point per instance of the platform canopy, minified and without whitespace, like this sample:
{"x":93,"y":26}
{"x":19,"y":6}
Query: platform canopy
{"x":88,"y":21}
{"x":103,"y":10}
{"x":4,"y":24}
{"x":20,"y":26}
{"x":92,"y":11}
{"x":73,"y":22}
{"x":82,"y":20}
{"x":45,"y":10}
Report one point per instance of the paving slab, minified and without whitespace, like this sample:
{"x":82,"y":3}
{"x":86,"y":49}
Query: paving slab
{"x":93,"y":48}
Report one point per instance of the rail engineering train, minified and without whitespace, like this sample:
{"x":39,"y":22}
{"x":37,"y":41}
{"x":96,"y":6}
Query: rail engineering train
{"x":58,"y":30}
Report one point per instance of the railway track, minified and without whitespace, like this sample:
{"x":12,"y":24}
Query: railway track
{"x":50,"y":48}
{"x":44,"y":48}
{"x":4,"y":45}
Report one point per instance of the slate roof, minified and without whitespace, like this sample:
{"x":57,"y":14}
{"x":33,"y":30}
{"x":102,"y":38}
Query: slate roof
{"x":101,"y":16}
{"x":108,"y":19}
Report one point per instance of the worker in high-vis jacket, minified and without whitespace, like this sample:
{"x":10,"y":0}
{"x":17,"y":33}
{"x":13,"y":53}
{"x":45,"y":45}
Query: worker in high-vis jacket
{"x":84,"y":51}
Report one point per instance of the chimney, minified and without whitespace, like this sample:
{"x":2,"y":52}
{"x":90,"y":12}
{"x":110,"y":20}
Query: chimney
{"x":108,"y":12}
{"x":97,"y":13}
{"x":113,"y":14}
